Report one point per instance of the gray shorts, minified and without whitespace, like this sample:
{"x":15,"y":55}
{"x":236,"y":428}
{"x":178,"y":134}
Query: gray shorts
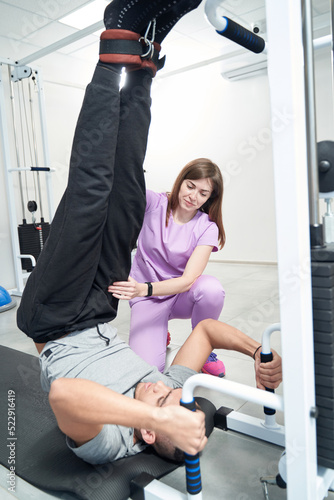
{"x":85,"y":354}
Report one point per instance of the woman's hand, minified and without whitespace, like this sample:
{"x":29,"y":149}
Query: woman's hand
{"x":268,"y":374}
{"x":127,"y":290}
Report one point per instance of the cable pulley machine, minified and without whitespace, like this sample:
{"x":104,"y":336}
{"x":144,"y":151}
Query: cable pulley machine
{"x":24,"y":141}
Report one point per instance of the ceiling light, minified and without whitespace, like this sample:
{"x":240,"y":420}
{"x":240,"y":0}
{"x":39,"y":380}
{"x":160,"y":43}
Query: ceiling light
{"x":86,"y":16}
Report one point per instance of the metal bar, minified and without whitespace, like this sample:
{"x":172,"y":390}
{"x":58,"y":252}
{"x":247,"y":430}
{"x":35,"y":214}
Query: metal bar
{"x":331,"y":36}
{"x":33,"y":130}
{"x":242,"y":391}
{"x":311,"y":126}
{"x":287,"y":96}
{"x":252,"y":426}
{"x":61,"y":43}
{"x":325,"y":481}
{"x":10,"y":62}
{"x":28,"y":256}
{"x":156,"y":490}
{"x":18,"y":161}
{"x":9,"y":188}
{"x":46,"y":152}
{"x":30,"y":169}
{"x":276,"y":327}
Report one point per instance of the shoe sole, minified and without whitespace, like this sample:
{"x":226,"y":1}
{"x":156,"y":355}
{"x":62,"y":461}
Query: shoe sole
{"x":220,"y":375}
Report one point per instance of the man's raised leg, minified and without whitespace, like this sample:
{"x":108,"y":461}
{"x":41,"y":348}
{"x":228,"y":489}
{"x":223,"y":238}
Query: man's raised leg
{"x":128,"y":200}
{"x":56,"y":292}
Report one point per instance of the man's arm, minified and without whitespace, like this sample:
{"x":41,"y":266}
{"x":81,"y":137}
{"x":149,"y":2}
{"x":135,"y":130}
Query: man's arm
{"x":82,"y":407}
{"x":211,"y":334}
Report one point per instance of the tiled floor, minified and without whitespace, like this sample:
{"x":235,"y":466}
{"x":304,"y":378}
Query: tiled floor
{"x":232,"y":464}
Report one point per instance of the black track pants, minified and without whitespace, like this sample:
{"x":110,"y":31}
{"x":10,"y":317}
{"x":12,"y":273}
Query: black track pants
{"x":100,"y":215}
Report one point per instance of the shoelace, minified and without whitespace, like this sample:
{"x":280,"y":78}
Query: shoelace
{"x":212,"y":358}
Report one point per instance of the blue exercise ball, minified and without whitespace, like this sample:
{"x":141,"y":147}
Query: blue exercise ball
{"x":6,"y":301}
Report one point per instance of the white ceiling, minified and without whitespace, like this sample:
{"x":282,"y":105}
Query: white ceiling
{"x":26,"y":26}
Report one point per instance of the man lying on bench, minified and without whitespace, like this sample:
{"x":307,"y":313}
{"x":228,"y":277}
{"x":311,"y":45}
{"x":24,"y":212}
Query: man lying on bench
{"x":108,"y":401}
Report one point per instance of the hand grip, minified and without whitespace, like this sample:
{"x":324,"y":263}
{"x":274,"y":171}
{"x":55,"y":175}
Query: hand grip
{"x":193,"y":470}
{"x":265,"y":358}
{"x":242,"y":36}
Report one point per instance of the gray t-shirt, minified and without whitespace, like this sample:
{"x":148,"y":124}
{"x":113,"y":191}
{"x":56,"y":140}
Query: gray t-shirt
{"x":85,"y":354}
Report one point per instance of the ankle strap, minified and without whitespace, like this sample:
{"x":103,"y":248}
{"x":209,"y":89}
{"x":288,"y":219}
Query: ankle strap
{"x":130,"y":49}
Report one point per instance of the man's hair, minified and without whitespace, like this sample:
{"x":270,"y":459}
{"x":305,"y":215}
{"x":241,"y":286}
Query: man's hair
{"x":165,"y":448}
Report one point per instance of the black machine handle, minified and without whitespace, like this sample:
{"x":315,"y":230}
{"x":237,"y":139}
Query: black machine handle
{"x":242,"y":36}
{"x":265,"y":358}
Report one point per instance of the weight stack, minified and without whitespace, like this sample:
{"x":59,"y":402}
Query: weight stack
{"x":30,"y":239}
{"x":322,"y":268}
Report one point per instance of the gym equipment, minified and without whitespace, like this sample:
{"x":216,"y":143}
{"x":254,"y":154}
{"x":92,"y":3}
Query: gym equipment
{"x":296,"y":218}
{"x":325,"y":152}
{"x":267,"y":429}
{"x":328,"y":222}
{"x":268,"y":398}
{"x":227,"y":387}
{"x":305,"y":479}
{"x":278,"y":480}
{"x":6,"y":301}
{"x":32,"y":237}
{"x":293,"y":149}
{"x":226,"y":419}
{"x":24,"y":141}
{"x":232,"y":30}
{"x":39,"y":451}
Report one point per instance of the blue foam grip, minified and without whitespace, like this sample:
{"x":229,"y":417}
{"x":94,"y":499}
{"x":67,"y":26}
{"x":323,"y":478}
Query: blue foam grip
{"x":242,"y":36}
{"x":193,"y":469}
{"x":40,"y":169}
{"x":193,"y":474}
{"x":265,"y":358}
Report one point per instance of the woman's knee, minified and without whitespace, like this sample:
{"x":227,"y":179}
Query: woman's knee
{"x":208,"y":288}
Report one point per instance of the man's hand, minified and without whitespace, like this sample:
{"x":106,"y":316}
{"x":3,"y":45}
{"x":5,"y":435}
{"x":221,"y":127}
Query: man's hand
{"x":185,"y":428}
{"x":268,"y":374}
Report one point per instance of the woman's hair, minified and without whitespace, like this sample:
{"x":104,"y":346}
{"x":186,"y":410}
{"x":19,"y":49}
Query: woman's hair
{"x":202,"y":168}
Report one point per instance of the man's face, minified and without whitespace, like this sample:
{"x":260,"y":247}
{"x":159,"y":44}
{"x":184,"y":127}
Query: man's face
{"x":157,"y":394}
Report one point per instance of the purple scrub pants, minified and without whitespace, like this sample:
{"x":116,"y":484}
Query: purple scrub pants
{"x":150,"y":316}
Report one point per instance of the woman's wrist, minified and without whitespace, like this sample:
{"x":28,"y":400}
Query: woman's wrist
{"x":147,"y":289}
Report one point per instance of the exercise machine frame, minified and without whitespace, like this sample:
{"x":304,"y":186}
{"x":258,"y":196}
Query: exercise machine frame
{"x":18,"y":72}
{"x":290,"y":156}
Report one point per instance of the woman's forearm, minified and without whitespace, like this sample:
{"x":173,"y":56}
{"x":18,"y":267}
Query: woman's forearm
{"x":172,"y":286}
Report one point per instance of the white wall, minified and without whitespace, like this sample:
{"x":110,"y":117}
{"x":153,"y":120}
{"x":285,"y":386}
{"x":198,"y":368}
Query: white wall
{"x":324,"y":102}
{"x":196,"y":113}
{"x":199,"y":114}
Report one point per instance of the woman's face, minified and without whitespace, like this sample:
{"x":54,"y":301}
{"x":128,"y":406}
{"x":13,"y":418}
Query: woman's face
{"x":194,"y":193}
